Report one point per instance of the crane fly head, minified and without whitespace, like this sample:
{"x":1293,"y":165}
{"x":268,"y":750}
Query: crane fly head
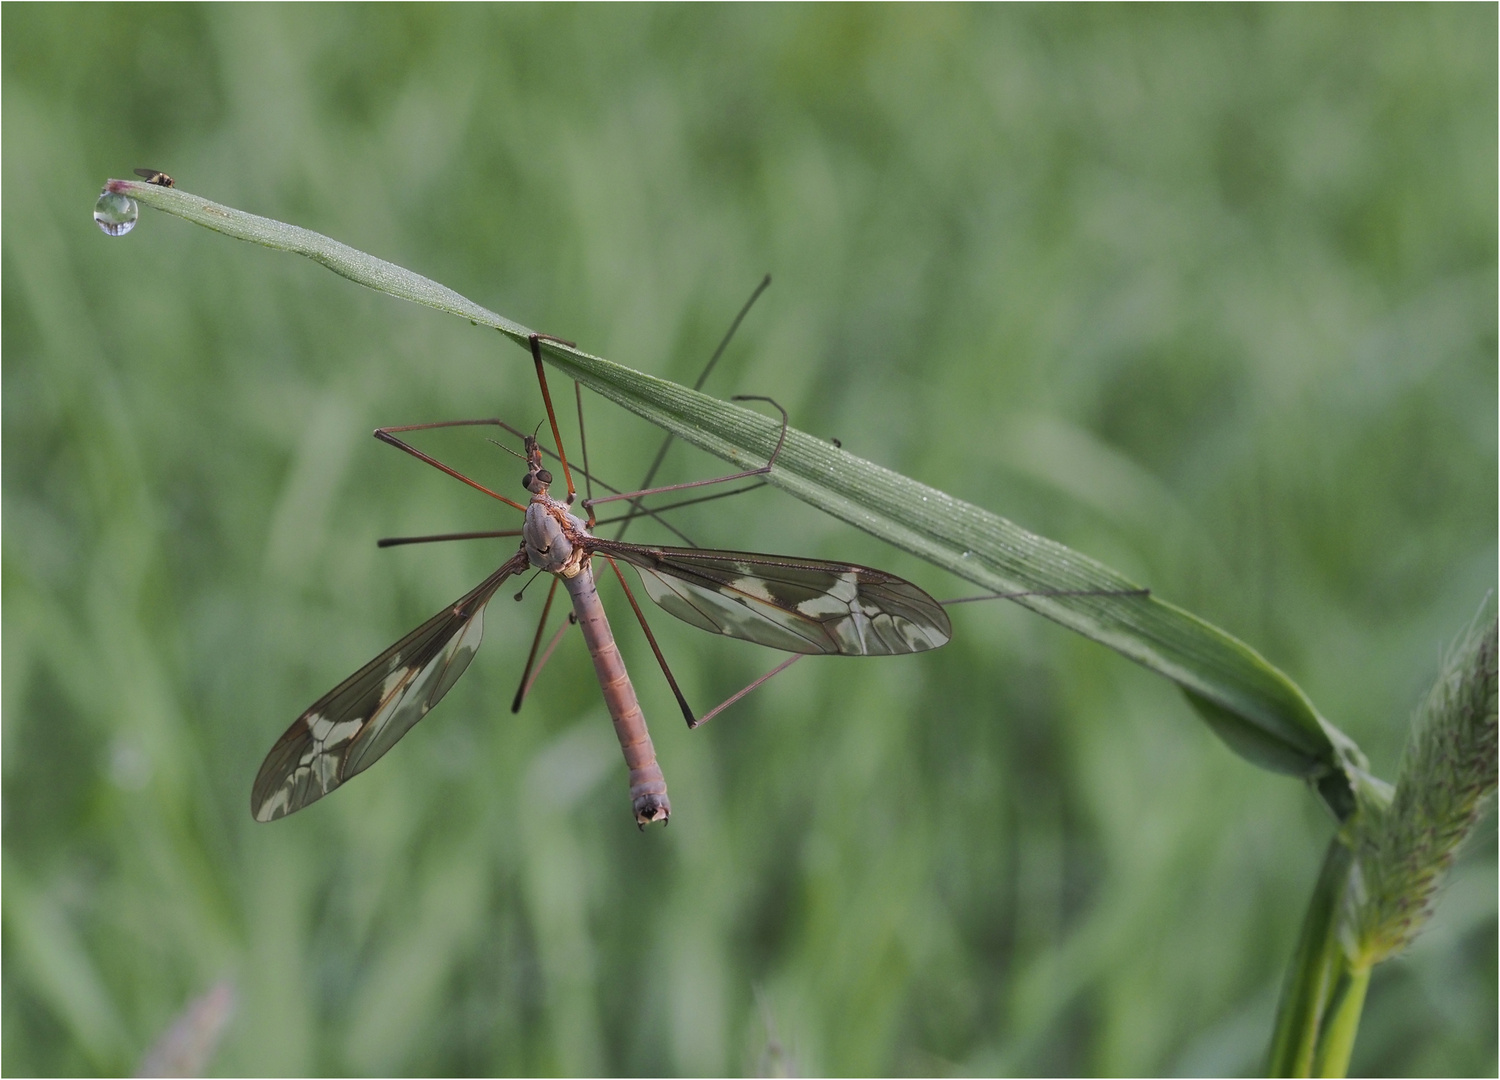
{"x":536,"y":478}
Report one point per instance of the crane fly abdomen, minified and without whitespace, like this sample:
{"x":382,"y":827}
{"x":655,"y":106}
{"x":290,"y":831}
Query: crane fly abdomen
{"x":554,"y":543}
{"x":648,"y":787}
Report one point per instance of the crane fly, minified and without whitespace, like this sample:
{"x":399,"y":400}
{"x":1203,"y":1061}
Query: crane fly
{"x":800,"y":606}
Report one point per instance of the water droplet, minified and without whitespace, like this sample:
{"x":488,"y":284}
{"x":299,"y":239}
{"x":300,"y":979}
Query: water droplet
{"x":115,"y":213}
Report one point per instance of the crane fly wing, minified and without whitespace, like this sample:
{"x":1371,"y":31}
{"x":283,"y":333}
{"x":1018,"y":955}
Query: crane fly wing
{"x":796,"y":605}
{"x":350,"y":727}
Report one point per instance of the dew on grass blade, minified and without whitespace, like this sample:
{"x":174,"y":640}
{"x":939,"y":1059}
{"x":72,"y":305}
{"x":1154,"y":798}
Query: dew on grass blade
{"x":115,"y":213}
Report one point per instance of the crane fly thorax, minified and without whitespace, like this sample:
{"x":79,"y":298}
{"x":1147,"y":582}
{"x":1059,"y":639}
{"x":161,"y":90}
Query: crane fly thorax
{"x":553,"y":536}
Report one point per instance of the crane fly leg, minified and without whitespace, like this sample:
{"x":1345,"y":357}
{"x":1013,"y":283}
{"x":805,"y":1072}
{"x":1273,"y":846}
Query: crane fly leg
{"x":687,"y":713}
{"x":789,"y":661}
{"x":643,"y":511}
{"x":541,"y":378}
{"x":570,"y":621}
{"x":770,"y":463}
{"x":732,"y":698}
{"x":521,"y":690}
{"x":661,"y":453}
{"x":489,"y":534}
{"x":530,"y":676}
{"x":388,"y":435}
{"x":583,"y":445}
{"x":1045,"y":592}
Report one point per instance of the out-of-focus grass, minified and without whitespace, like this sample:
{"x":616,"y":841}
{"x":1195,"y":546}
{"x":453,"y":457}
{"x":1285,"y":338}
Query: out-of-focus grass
{"x":1208,"y":294}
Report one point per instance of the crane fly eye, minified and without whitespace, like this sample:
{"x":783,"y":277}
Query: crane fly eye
{"x":528,"y":480}
{"x":544,"y":476}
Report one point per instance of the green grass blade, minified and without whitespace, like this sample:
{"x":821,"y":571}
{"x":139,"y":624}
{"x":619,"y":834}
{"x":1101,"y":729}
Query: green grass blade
{"x":1342,"y":1023}
{"x":1315,"y":971}
{"x":1255,"y":708}
{"x":342,"y":259}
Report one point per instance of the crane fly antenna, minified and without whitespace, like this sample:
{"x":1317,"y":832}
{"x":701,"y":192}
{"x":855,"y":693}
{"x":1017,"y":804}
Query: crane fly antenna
{"x":508,"y":449}
{"x":661,"y":453}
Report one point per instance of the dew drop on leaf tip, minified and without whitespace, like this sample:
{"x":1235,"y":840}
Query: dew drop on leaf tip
{"x":115,"y":213}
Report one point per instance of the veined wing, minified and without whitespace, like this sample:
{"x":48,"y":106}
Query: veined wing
{"x":351,"y":726}
{"x":796,"y":605}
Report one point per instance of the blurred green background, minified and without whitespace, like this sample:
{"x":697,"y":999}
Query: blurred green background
{"x":1206,"y":293}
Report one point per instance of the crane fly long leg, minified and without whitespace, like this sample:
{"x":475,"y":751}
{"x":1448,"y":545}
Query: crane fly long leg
{"x":397,"y":541}
{"x":569,"y":622}
{"x":645,"y":511}
{"x":765,"y":283}
{"x":388,"y":435}
{"x":767,"y":677}
{"x":789,"y":661}
{"x":661,"y":453}
{"x":541,"y":377}
{"x":687,"y":713}
{"x":1046,"y":592}
{"x":591,"y":503}
{"x":636,"y":508}
{"x":583,"y":446}
{"x":655,"y":512}
{"x":515,"y":705}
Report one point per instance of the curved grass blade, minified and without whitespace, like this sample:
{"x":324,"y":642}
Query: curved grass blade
{"x":1256,"y":709}
{"x":342,"y":259}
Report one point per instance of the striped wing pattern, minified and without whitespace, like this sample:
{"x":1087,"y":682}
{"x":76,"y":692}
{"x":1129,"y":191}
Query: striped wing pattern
{"x":796,"y":605}
{"x":349,"y":728}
